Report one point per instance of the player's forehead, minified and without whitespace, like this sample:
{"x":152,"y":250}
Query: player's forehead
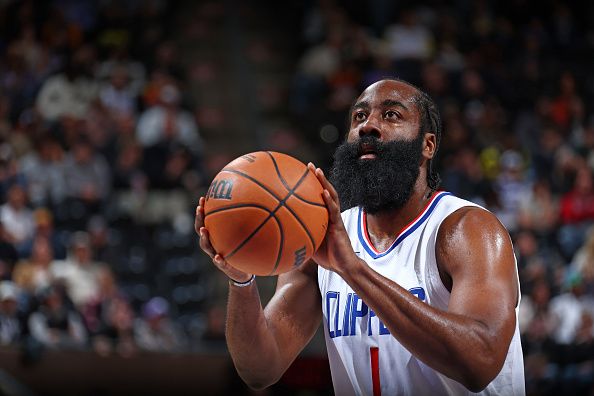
{"x":387,"y":90}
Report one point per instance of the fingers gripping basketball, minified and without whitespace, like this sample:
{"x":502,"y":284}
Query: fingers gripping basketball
{"x":265,"y":214}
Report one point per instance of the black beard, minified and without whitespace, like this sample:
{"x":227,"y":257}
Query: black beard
{"x":380,"y":184}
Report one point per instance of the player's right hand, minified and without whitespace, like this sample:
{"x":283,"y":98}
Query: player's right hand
{"x":206,"y":246}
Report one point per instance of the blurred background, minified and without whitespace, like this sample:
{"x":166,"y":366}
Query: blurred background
{"x":115,"y":116}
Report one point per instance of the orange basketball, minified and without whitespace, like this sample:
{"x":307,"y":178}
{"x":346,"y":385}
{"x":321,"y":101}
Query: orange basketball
{"x":265,"y":214}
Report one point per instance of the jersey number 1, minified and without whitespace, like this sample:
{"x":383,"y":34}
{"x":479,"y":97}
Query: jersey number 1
{"x":375,"y":378}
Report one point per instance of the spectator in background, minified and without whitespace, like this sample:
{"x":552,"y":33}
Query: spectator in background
{"x":574,"y":336}
{"x":55,"y":324}
{"x":79,"y":273}
{"x":152,"y":90}
{"x":511,"y":185}
{"x":30,"y":49}
{"x":568,"y":309}
{"x":130,"y":181}
{"x":577,"y":211}
{"x":117,"y":329}
{"x":536,"y":260}
{"x":539,"y":210}
{"x":45,"y":228}
{"x":117,"y":95}
{"x":536,"y":327}
{"x":10,"y":172}
{"x":10,"y":324}
{"x":119,"y":58}
{"x":564,"y":106}
{"x":43,"y":170}
{"x":109,"y":319}
{"x":315,"y":67}
{"x":87,"y":177}
{"x":174,"y":171}
{"x":17,"y":218}
{"x":411,"y":43}
{"x":465,"y":176}
{"x":8,"y":255}
{"x":408,"y":38}
{"x":127,"y":172}
{"x":583,"y":263}
{"x":167,"y":122}
{"x":155,"y":331}
{"x":536,"y":321}
{"x":17,"y":82}
{"x":70,"y":93}
{"x":168,"y":59}
{"x":33,"y":274}
{"x":100,"y":237}
{"x":172,"y":147}
{"x":99,"y":129}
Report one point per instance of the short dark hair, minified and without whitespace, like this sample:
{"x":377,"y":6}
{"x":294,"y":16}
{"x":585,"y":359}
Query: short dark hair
{"x":430,"y":120}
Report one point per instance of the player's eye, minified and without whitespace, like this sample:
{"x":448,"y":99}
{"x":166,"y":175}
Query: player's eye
{"x":359,"y":116}
{"x":391,"y":114}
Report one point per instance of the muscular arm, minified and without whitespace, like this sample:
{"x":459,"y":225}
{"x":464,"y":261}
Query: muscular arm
{"x":264,"y":342}
{"x":469,"y":341}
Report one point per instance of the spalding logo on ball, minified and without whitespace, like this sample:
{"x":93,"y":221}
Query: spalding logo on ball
{"x":265,"y":214}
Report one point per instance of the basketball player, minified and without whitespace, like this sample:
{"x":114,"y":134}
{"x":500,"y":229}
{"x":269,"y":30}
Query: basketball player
{"x":417,"y":289}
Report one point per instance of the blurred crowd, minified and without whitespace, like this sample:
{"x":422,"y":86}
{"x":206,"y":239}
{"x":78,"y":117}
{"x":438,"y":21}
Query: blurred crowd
{"x":100,"y":156}
{"x":101,"y":159}
{"x":515,"y":87}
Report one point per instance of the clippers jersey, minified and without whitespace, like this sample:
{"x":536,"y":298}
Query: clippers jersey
{"x":364,"y":357}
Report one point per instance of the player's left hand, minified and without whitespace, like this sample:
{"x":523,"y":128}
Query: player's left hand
{"x":336,"y":252}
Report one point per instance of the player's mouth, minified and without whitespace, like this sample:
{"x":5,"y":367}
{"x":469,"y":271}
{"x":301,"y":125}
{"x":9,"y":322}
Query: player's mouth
{"x":367,"y":152}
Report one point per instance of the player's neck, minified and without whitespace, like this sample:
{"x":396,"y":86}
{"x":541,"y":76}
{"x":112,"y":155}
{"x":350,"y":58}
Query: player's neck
{"x":384,"y":227}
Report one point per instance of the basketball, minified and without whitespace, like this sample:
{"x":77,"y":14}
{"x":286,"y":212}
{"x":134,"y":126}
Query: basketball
{"x":265,"y":213}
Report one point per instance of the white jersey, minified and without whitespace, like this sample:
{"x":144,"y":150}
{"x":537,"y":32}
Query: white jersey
{"x":364,"y":358}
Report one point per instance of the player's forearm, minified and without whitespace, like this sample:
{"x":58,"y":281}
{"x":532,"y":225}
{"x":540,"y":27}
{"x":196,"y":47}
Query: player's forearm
{"x":250,"y":342}
{"x":440,"y":339}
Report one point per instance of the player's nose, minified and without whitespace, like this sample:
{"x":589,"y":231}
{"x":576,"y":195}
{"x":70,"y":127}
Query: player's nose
{"x":371,"y":126}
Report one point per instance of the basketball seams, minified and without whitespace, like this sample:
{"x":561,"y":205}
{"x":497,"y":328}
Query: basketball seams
{"x":280,"y":176}
{"x":271,"y":214}
{"x":280,"y":246}
{"x":235,"y":206}
{"x":250,"y":178}
{"x":247,"y":239}
{"x":291,"y":192}
{"x":281,"y":201}
{"x":308,"y":202}
{"x":286,"y":185}
{"x":275,"y":193}
{"x":283,"y":204}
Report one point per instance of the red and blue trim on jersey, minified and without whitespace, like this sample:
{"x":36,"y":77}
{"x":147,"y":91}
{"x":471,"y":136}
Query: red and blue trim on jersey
{"x":406,"y":231}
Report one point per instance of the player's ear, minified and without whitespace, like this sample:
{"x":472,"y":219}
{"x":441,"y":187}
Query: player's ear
{"x":429,"y":145}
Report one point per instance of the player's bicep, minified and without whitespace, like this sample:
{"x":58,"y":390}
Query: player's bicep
{"x":475,"y":250}
{"x":294,"y":312}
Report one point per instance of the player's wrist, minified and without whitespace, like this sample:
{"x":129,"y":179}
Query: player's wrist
{"x":242,"y":283}
{"x":351,"y":267}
